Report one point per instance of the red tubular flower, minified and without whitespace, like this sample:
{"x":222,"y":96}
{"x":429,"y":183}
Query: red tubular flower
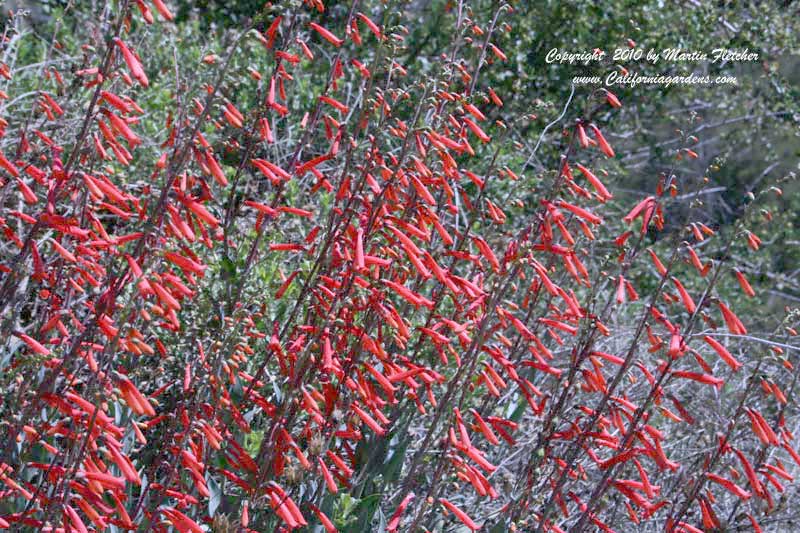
{"x":723,"y":353}
{"x":270,"y":212}
{"x":324,"y":520}
{"x":639,"y":209}
{"x":688,"y":303}
{"x":394,"y":521}
{"x":340,"y":464}
{"x":133,"y":63}
{"x":580,"y":212}
{"x":461,"y":515}
{"x":750,"y":472}
{"x":657,"y":263}
{"x":407,"y":294}
{"x":582,"y":138}
{"x":612,"y":99}
{"x":604,"y":146}
{"x":684,"y":527}
{"x":735,"y":325}
{"x":762,"y":428}
{"x":163,"y":10}
{"x":285,"y":247}
{"x":122,"y":128}
{"x":215,"y":169}
{"x":729,"y":486}
{"x":371,"y":25}
{"x":182,"y":523}
{"x":135,"y":399}
{"x":336,"y":104}
{"x":359,"y":249}
{"x":702,"y":269}
{"x":710,"y":520}
{"x":146,"y":13}
{"x":423,"y":191}
{"x":286,"y":506}
{"x":474,"y":111}
{"x":75,"y":519}
{"x":748,"y":290}
{"x":620,"y":297}
{"x":487,"y":253}
{"x":753,"y":240}
{"x":479,"y":133}
{"x":33,"y":344}
{"x":8,"y":166}
{"x":700,"y":378}
{"x":497,"y":52}
{"x":622,"y":457}
{"x":326,"y":474}
{"x":484,"y":428}
{"x":270,"y":170}
{"x":496,"y":99}
{"x":754,"y":523}
{"x":295,"y":211}
{"x":602,"y":192}
{"x":368,"y":420}
{"x":27,"y":193}
{"x":165,"y":296}
{"x":327,"y":35}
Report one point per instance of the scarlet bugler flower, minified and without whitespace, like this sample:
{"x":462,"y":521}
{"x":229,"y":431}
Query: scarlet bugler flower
{"x":461,"y":515}
{"x":326,"y":34}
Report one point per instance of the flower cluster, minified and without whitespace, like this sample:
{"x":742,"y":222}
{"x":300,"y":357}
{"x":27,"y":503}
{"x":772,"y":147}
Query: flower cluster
{"x":276,"y":303}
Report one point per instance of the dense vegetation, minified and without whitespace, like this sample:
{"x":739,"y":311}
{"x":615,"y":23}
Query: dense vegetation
{"x":380,"y":266}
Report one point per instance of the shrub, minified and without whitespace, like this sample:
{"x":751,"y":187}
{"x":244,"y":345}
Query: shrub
{"x":280,"y":280}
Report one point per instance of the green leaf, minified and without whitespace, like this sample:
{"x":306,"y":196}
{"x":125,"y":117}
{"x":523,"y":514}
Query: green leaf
{"x":500,"y":527}
{"x":517,"y":412}
{"x":252,"y":441}
{"x":364,"y":512}
{"x":381,"y":522}
{"x":394,"y":462}
{"x":215,"y":495}
{"x":228,"y":268}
